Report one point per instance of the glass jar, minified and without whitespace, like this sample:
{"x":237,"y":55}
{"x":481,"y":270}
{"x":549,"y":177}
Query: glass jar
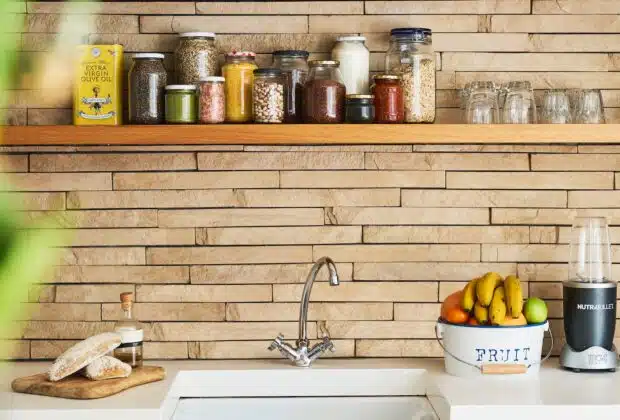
{"x":211,"y":100}
{"x":360,"y":109}
{"x":354,"y":60}
{"x":239,"y":74}
{"x":324,"y":93}
{"x":147,"y":80}
{"x":195,"y":57}
{"x":268,"y":96}
{"x":294,"y":65}
{"x":389,"y":107}
{"x":411,"y":57}
{"x":180,"y":104}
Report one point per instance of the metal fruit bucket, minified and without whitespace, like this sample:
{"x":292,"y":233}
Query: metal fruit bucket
{"x":474,"y":350}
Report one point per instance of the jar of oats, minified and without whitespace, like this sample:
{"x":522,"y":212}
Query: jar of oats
{"x":411,"y":57}
{"x":195,"y":57}
{"x":268,"y":96}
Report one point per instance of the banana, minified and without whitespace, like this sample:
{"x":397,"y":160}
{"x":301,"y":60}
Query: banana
{"x":481,"y":313}
{"x":497,"y":309}
{"x":469,"y":296}
{"x":514,"y":296}
{"x":486,"y":286}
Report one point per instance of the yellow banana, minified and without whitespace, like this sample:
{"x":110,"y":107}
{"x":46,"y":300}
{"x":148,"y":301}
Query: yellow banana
{"x":486,"y":286}
{"x":514,"y":296}
{"x":497,"y":309}
{"x":481,"y":313}
{"x":469,"y":296}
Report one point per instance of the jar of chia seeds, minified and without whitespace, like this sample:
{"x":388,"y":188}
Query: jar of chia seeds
{"x":195,"y":57}
{"x":181,"y":105}
{"x":147,"y":80}
{"x":324,"y":93}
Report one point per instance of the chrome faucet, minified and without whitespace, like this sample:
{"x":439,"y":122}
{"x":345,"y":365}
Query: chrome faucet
{"x":303,"y":356}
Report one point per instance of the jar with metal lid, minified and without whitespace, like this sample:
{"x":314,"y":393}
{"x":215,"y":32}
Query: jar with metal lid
{"x":360,"y":109}
{"x":181,"y":104}
{"x":389,"y":107}
{"x":354,"y":60}
{"x":268,"y":96}
{"x":211,"y":100}
{"x":294,"y":66}
{"x":324,"y":93}
{"x":238,"y":73}
{"x":147,"y":80}
{"x":411,"y":57}
{"x":195,"y":57}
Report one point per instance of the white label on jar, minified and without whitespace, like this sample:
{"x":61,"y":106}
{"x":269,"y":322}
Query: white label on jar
{"x":130,"y":335}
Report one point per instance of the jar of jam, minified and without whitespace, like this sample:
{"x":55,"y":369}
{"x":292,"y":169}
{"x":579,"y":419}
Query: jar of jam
{"x":389,"y":105}
{"x":360,"y":109}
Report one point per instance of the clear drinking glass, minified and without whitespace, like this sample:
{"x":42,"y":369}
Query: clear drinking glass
{"x":482,"y":104}
{"x":519,"y":104}
{"x":556,"y":107}
{"x":590,"y":251}
{"x":589,"y":107}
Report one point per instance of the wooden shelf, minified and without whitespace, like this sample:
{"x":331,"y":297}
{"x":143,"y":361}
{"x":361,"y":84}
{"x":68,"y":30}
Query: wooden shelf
{"x":310,"y":134}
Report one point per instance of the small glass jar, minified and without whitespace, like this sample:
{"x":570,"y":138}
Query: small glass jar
{"x":147,"y":80}
{"x":411,"y":57}
{"x":389,"y":107}
{"x":324,"y":94}
{"x":195,"y":57}
{"x":181,"y":104}
{"x":360,"y":109}
{"x":239,"y":74}
{"x":211,"y":100}
{"x":268,"y":96}
{"x":354,"y":60}
{"x":294,"y":66}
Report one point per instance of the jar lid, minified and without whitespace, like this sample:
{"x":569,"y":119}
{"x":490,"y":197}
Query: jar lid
{"x":386,"y":77}
{"x":291,"y":53}
{"x":213,"y":79}
{"x":181,"y":87}
{"x":268,"y":71}
{"x":147,"y":55}
{"x":197,"y":35}
{"x":415,"y":34}
{"x":241,"y":54}
{"x":358,"y":96}
{"x":351,"y":38}
{"x":323,"y":63}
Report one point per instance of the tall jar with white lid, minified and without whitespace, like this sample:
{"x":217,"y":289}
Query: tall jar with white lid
{"x":196,"y":57}
{"x":354,"y":60}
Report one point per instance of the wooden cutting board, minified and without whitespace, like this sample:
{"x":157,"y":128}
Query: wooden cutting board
{"x":79,"y":388}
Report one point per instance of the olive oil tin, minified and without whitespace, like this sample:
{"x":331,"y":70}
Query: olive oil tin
{"x":98,"y":90}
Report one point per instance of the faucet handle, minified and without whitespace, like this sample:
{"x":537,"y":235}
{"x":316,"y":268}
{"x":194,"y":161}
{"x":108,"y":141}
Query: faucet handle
{"x":276,"y":343}
{"x":328,"y":344}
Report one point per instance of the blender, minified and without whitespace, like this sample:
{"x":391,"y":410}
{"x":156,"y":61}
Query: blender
{"x":589,"y":299}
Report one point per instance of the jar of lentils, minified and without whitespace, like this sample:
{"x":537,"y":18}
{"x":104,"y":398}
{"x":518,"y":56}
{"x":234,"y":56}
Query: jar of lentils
{"x":268,"y":96}
{"x":324,"y":93}
{"x":411,"y":57}
{"x":239,"y":74}
{"x":181,"y":104}
{"x":389,"y":107}
{"x":211,"y":100}
{"x":294,"y":66}
{"x":147,"y":80}
{"x":195,"y":57}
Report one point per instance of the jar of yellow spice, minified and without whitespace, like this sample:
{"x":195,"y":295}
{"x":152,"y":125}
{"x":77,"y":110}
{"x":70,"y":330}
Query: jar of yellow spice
{"x":238,"y":73}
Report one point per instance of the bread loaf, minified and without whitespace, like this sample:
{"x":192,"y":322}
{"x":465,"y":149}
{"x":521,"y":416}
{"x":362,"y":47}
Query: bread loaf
{"x":82,"y":354}
{"x":106,"y":367}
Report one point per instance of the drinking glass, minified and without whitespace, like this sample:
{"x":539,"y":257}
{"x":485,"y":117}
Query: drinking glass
{"x":482,"y":104}
{"x":556,"y":108}
{"x":589,"y":107}
{"x":590,"y":251}
{"x":519,"y":104}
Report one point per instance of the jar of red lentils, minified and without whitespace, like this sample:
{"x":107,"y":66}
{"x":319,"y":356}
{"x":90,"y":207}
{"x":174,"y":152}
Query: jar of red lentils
{"x":211,"y":100}
{"x":389,"y":105}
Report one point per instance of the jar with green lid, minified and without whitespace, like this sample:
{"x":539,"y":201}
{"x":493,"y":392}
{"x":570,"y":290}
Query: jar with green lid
{"x":195,"y":57}
{"x":181,"y":107}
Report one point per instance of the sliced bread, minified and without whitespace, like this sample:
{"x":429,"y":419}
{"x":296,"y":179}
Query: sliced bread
{"x":106,"y":367}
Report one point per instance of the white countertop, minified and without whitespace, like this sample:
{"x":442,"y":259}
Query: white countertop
{"x":552,"y":394}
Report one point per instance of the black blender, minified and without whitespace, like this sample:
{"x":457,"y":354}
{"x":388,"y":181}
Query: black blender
{"x":589,"y":299}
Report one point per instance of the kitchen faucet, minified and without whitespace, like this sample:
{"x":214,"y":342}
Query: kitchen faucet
{"x":303,"y":356}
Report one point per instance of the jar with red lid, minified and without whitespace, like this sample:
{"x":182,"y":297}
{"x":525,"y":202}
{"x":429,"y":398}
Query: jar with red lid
{"x":389,"y":104}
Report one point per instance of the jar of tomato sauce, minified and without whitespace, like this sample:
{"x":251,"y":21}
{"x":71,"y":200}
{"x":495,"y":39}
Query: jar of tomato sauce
{"x":389,"y":105}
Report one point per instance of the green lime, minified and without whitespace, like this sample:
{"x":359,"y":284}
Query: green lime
{"x":535,"y":310}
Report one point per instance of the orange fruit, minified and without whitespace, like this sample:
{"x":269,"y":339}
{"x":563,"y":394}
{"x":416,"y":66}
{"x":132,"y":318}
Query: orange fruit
{"x":452,"y":301}
{"x":457,"y":316}
{"x":473,"y":321}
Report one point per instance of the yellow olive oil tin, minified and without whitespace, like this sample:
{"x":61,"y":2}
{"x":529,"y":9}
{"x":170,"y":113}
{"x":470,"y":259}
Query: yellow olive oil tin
{"x":97,"y":98}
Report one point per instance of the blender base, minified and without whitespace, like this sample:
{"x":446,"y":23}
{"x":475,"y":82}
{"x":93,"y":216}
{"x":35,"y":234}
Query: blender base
{"x":592,"y":359}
